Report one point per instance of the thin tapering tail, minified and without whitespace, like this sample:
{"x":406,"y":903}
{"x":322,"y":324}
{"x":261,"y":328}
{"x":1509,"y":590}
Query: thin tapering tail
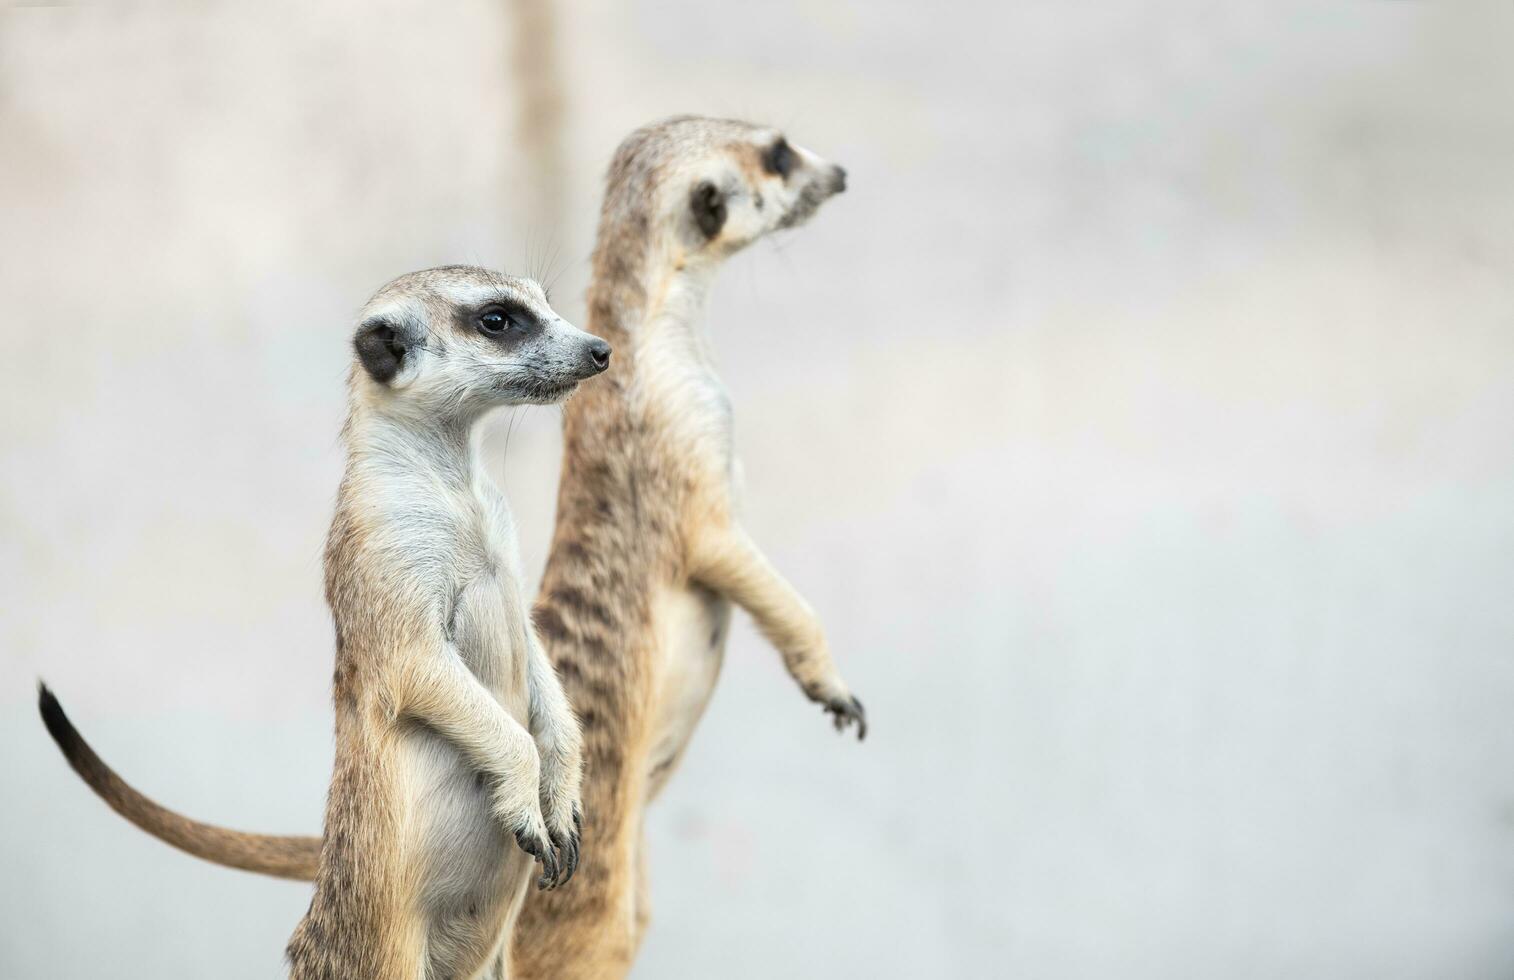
{"x":283,"y":857}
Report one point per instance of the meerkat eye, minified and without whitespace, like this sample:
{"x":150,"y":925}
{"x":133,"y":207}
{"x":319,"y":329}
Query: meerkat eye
{"x":779,"y":158}
{"x":495,"y":322}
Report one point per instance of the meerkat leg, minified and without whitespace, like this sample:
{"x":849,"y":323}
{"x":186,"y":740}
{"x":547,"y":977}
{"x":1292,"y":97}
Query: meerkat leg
{"x":560,"y":746}
{"x":438,"y":690}
{"x":727,"y":561}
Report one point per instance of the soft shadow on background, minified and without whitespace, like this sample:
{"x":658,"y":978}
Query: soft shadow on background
{"x":1139,"y":423}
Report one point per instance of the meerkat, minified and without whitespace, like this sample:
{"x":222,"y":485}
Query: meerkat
{"x":453,"y":736}
{"x":648,"y":554}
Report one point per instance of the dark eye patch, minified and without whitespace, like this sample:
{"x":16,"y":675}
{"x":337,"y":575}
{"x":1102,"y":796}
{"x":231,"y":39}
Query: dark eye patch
{"x":779,"y":158}
{"x":708,"y":205}
{"x":503,"y":321}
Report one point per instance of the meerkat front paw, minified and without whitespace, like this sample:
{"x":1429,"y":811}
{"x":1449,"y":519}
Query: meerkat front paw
{"x":846,"y":709}
{"x":566,"y":835}
{"x":843,"y":708}
{"x":564,"y":829}
{"x":516,"y":807}
{"x":811,"y":665}
{"x":560,"y":779}
{"x":536,"y":842}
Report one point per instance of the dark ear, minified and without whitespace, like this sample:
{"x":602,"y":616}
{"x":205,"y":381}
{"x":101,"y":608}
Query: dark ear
{"x":708,"y":205}
{"x":381,"y":350}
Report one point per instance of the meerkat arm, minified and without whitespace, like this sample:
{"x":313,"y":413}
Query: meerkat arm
{"x":438,"y":690}
{"x":728,"y":562}
{"x":561,"y":748}
{"x":552,"y":720}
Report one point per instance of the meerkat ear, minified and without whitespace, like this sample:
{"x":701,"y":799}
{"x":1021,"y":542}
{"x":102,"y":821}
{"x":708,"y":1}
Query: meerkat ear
{"x":708,"y":205}
{"x":381,"y":349}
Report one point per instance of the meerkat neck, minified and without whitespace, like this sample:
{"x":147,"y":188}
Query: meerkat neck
{"x":643,"y":290}
{"x":387,"y":438}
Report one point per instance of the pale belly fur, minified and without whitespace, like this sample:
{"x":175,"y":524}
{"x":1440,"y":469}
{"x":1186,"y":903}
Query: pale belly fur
{"x":473,"y":876}
{"x":691,"y":625}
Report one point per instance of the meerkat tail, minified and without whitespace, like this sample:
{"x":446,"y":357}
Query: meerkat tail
{"x":281,"y":856}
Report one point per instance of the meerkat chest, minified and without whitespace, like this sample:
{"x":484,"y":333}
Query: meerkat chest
{"x":689,"y":405}
{"x":486,"y":615}
{"x":681,"y":391}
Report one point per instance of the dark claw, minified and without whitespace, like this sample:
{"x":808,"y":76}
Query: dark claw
{"x":844,"y":711}
{"x":542,"y":852}
{"x":549,"y":870}
{"x":568,"y":848}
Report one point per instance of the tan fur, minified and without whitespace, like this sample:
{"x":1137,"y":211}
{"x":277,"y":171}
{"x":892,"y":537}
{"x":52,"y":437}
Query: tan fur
{"x":283,"y":857}
{"x":647,"y":543}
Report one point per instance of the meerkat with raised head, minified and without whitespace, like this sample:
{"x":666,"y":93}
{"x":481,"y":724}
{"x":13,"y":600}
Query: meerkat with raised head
{"x":454,"y":742}
{"x":648,"y":553}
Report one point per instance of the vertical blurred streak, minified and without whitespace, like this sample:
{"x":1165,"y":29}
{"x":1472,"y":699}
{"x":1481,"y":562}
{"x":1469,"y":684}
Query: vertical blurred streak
{"x":538,"y":81}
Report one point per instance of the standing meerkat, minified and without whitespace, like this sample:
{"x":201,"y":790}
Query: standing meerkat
{"x":648,"y":554}
{"x":454,"y":741}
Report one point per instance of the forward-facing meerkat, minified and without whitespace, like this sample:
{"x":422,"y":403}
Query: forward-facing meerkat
{"x":454,"y":741}
{"x":648,"y":553}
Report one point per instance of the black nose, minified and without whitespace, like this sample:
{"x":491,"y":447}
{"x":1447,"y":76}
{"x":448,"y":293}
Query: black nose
{"x":599,"y":353}
{"x":838,"y":180}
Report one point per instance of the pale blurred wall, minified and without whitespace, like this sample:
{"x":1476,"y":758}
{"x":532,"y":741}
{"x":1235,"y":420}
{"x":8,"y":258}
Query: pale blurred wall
{"x":1140,"y":423}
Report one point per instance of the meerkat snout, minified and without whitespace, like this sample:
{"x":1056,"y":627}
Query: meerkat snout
{"x":838,"y":179}
{"x":599,"y":355}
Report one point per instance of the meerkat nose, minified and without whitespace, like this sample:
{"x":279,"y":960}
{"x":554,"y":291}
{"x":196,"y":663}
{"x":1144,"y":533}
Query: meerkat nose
{"x":599,"y":352}
{"x":838,"y":179}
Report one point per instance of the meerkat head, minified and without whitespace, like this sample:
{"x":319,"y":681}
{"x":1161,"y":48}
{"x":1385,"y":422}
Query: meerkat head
{"x":723,"y":184}
{"x":457,"y":341}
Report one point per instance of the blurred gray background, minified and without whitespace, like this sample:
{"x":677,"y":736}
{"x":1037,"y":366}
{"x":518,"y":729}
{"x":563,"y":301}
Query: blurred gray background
{"x":1141,"y":423}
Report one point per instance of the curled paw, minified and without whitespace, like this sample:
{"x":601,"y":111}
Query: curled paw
{"x":535,"y":842}
{"x":566,"y":840}
{"x":844,"y":710}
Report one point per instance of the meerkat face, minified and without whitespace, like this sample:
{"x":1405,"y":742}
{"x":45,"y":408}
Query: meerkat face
{"x":752,"y":181}
{"x":722,"y":184}
{"x":460,"y":340}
